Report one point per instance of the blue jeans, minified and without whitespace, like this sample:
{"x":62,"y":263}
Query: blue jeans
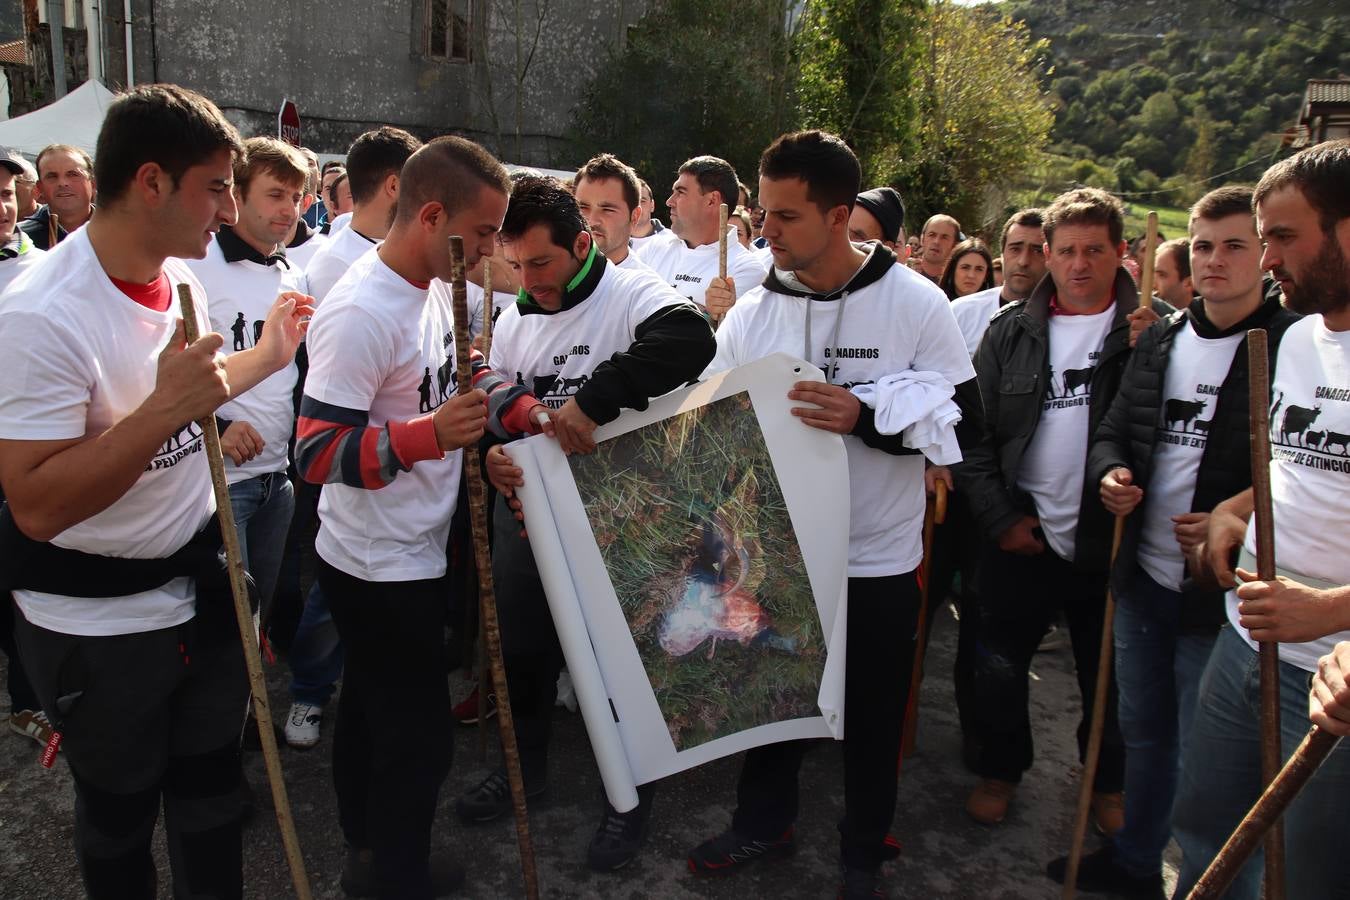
{"x":262,"y":508}
{"x":1221,"y":779}
{"x":1158,"y":671}
{"x":316,"y":656}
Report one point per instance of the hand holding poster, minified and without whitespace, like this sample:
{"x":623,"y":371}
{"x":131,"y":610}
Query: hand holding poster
{"x":695,"y":566}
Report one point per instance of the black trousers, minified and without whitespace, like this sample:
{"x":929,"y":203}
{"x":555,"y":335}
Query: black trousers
{"x":530,"y":649}
{"x":149,"y":717}
{"x":882,"y":617}
{"x":957,"y":548}
{"x":1019,"y":598}
{"x":21,"y":695}
{"x":393,"y":740}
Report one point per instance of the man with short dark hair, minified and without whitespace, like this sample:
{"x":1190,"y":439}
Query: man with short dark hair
{"x":879,"y":215}
{"x":608,"y":196}
{"x":624,"y":336}
{"x":689,"y":264}
{"x":1048,"y":368}
{"x":937,"y":240}
{"x":126,"y":625}
{"x":1172,"y":273}
{"x":66,"y":186}
{"x":1024,"y":266}
{"x":373,"y":163}
{"x":1303,"y":218}
{"x":381,"y":427}
{"x":892,"y":337}
{"x":648,"y":226}
{"x":1175,"y":442}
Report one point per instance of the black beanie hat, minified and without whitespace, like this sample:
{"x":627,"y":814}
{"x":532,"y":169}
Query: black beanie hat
{"x":885,"y":204}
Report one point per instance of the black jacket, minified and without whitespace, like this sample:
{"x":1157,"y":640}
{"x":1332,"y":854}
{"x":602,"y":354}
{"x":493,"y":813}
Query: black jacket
{"x":36,"y":227}
{"x":1128,"y":435}
{"x":1012,"y":366}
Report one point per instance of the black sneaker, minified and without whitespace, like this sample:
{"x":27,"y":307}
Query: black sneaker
{"x":491,"y":799}
{"x":731,"y":850}
{"x":1100,"y":873}
{"x":620,"y":835}
{"x":859,"y":884}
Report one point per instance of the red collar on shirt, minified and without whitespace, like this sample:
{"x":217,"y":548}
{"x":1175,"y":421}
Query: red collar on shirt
{"x":1057,"y":310}
{"x":156,"y":295}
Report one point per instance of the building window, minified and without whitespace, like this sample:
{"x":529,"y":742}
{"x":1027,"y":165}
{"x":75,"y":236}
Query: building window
{"x":449,"y":26}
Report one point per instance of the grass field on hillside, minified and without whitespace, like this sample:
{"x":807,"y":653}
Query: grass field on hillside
{"x":1171,"y":222}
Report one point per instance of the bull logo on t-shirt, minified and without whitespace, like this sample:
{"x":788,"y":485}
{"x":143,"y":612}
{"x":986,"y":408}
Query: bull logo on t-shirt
{"x":1313,"y":433}
{"x":1072,"y":388}
{"x":553,"y":390}
{"x":1182,"y":422}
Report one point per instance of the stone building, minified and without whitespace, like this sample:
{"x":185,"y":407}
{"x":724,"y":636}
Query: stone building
{"x":504,"y":72}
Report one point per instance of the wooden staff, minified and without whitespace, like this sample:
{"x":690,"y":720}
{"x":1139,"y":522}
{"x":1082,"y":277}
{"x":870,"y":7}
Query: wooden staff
{"x":247,"y":631}
{"x":53,"y":226}
{"x":935,"y":512}
{"x":1098,"y":724}
{"x":721,"y":252}
{"x":487,"y":600}
{"x":1265,"y":815}
{"x":482,"y":654}
{"x":1258,"y":367}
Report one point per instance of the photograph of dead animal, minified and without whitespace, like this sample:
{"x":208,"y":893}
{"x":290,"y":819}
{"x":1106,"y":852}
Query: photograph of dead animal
{"x":695,"y":535}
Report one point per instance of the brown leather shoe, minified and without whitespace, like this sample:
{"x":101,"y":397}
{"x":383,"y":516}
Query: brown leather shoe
{"x":1108,"y":811}
{"x":988,"y":803}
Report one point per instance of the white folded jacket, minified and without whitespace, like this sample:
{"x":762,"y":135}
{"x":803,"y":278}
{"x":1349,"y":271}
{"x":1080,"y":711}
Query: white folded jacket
{"x":918,"y":406}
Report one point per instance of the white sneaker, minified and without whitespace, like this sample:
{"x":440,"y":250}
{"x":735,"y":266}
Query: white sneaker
{"x":302,"y":725}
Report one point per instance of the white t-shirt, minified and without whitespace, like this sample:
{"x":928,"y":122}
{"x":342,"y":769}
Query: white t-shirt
{"x":553,"y":354}
{"x":28,"y":255}
{"x":381,"y":344}
{"x":1309,"y":469}
{"x":690,"y":269}
{"x":303,"y":255}
{"x":1054,"y":463}
{"x":1196,"y":369}
{"x":973,"y":312}
{"x":79,"y":357}
{"x":632,"y":260}
{"x":473,"y":293}
{"x":897,"y":323}
{"x":334,"y":258}
{"x":653,"y":240}
{"x":242,"y":294}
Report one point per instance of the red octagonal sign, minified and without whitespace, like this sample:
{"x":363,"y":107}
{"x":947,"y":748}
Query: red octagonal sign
{"x":288,"y":123}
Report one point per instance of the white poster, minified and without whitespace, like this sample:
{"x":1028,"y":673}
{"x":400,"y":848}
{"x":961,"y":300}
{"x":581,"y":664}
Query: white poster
{"x":696,"y":568}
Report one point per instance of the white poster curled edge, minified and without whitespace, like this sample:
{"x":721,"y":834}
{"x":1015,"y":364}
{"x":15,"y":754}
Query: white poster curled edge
{"x":628,"y":733}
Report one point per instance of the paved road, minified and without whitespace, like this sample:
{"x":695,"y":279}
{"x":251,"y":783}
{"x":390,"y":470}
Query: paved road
{"x":945,"y":855}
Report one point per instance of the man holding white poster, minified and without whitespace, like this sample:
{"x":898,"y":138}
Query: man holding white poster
{"x":893,"y":358}
{"x":588,"y":338}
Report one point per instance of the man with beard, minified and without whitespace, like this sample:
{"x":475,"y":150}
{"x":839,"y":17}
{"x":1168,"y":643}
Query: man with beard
{"x":1303,"y":216}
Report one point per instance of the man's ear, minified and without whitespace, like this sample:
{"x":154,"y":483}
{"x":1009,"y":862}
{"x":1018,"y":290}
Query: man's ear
{"x":581,"y":247}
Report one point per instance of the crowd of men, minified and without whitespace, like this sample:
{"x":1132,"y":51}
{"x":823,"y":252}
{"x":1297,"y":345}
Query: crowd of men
{"x":327,"y":356}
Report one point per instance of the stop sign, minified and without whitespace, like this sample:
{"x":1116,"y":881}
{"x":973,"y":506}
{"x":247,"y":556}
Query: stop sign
{"x":288,"y":123}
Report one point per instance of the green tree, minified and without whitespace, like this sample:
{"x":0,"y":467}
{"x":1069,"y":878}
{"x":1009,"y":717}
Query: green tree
{"x":683,"y":85}
{"x":983,"y":118}
{"x":857,"y":61}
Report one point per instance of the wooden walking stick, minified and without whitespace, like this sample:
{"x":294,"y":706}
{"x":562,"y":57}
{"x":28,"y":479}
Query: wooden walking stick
{"x":53,"y":228}
{"x":482,"y":653}
{"x":1099,"y":693}
{"x":487,"y":600}
{"x":1265,"y":815}
{"x":721,"y":252}
{"x":247,"y":631}
{"x":935,"y":512}
{"x":1258,"y":367}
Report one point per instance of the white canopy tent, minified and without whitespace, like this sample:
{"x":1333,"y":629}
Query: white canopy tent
{"x":74,"y":119}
